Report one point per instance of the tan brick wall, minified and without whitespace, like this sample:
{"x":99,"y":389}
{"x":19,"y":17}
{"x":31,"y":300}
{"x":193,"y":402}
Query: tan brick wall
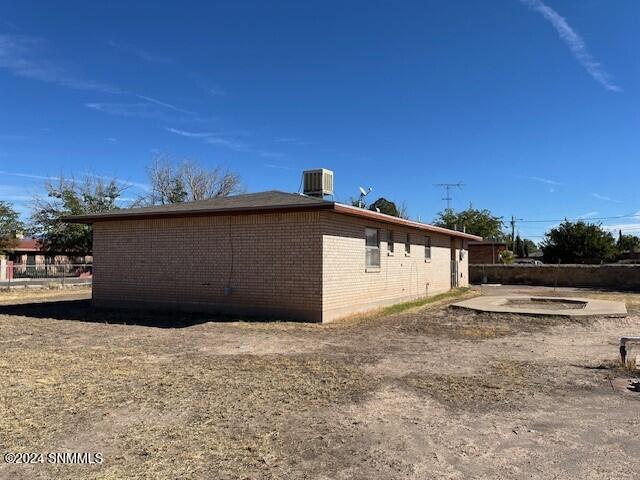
{"x":349,"y":288}
{"x":272,"y":262}
{"x":304,"y":266}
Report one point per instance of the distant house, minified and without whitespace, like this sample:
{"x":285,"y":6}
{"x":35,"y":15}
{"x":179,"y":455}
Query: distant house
{"x":270,"y":254}
{"x":485,"y":252}
{"x":29,"y":251}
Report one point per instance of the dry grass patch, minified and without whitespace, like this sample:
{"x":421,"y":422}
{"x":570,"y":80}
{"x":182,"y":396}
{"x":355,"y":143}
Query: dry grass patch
{"x":506,"y":385}
{"x":185,"y":415}
{"x":15,"y":295}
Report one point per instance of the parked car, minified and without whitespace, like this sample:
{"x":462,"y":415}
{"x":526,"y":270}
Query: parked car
{"x":527,"y":261}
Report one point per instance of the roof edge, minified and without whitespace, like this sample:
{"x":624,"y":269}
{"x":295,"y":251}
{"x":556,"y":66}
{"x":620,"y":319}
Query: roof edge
{"x":383,"y":217}
{"x":334,"y":206}
{"x":128,"y":215}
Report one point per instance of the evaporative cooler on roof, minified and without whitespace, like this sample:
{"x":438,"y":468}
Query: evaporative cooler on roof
{"x":318,"y":183}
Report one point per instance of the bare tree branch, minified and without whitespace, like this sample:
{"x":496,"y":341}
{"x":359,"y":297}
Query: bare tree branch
{"x":187,"y":183}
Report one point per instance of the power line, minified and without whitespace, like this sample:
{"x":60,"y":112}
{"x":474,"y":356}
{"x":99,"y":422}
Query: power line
{"x":630,"y":215}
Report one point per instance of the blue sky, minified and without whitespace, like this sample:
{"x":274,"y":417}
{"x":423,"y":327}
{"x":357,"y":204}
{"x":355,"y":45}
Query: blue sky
{"x":534,"y":106}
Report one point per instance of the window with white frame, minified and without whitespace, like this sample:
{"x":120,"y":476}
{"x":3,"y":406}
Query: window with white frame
{"x":407,"y":244}
{"x":372,"y":242}
{"x":427,"y":249}
{"x":390,"y":243}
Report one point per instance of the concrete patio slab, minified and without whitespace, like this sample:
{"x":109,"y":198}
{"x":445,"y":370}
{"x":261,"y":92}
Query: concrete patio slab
{"x":563,"y":306}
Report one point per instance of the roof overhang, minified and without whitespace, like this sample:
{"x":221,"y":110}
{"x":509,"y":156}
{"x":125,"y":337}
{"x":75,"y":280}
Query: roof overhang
{"x":142,"y":215}
{"x":381,"y":217}
{"x":329,"y":206}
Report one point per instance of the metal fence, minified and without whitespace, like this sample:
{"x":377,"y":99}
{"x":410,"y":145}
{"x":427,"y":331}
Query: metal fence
{"x":14,"y":274}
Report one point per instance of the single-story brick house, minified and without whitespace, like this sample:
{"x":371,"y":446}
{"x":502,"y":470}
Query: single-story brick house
{"x":30,"y":251}
{"x":270,"y":254}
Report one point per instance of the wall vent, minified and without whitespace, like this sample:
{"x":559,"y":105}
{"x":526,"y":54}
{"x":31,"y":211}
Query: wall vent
{"x":318,"y":183}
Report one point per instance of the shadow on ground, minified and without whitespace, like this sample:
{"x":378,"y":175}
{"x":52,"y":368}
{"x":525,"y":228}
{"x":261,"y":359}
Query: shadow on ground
{"x":82,"y":311}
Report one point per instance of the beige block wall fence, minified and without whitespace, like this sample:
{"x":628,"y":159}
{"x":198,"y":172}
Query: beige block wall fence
{"x":298,"y":265}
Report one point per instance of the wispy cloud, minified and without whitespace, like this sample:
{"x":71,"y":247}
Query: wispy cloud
{"x":140,"y":53}
{"x":207,"y":86}
{"x":222,"y":140}
{"x":139,"y":109}
{"x":148,"y":108}
{"x":29,"y":57}
{"x":184,"y":133}
{"x":217,"y":91}
{"x":29,"y":175}
{"x":121,"y":181}
{"x":112,"y":139}
{"x":267,"y":154}
{"x":542,"y":180}
{"x":575,"y":43}
{"x":15,"y":194}
{"x":227,"y":143}
{"x":212,"y":138}
{"x":280,"y":167}
{"x":164,"y":104}
{"x":291,"y":141}
{"x":588,"y":215}
{"x":631,"y":227}
{"x":10,"y":25}
{"x":24,"y":56}
{"x":605,"y":198}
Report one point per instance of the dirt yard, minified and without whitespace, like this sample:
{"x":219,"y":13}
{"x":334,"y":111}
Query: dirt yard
{"x":427,"y":393}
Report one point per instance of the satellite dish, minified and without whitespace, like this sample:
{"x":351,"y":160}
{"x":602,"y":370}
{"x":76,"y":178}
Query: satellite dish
{"x":363,"y":193}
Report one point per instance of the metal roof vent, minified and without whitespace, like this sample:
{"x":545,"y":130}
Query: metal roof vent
{"x":318,"y":183}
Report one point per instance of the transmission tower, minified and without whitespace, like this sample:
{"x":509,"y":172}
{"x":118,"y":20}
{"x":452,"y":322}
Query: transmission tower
{"x":447,"y":188}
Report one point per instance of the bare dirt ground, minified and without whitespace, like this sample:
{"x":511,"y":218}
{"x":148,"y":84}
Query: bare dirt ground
{"x":428,"y":393}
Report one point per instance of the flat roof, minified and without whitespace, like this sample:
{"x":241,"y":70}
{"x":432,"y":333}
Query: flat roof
{"x":255,"y":203}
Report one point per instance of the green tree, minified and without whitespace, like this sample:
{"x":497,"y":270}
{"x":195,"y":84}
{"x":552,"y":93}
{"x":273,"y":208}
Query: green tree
{"x":10,"y":226}
{"x":474,"y":221}
{"x":507,"y":257}
{"x":578,"y":242}
{"x":385,"y":206}
{"x":520,"y":250}
{"x":68,"y":197}
{"x":627,"y":243}
{"x":529,"y":247}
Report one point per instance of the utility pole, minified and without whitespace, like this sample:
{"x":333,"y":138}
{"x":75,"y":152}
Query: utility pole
{"x":513,"y":232}
{"x":447,"y":188}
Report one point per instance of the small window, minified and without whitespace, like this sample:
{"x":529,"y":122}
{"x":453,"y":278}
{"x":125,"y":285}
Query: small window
{"x":427,"y":249}
{"x":372,"y":242}
{"x":390,"y":243}
{"x":407,"y":245}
